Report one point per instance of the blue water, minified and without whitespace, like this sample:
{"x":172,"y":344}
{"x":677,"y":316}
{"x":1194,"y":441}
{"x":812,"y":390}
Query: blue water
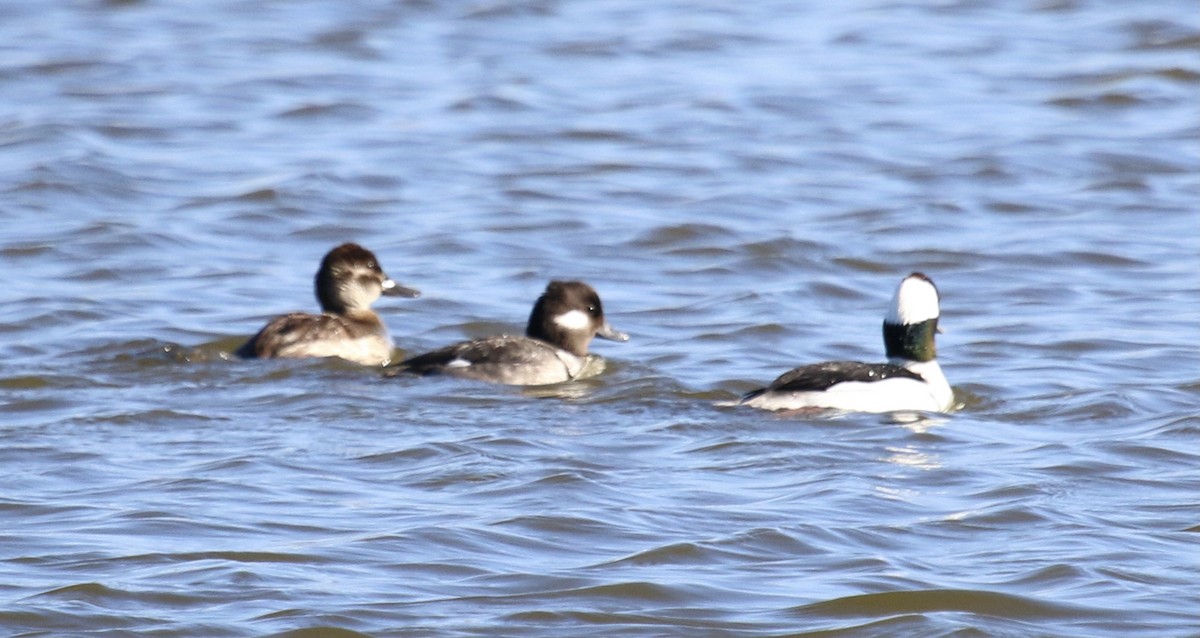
{"x":744,"y":186}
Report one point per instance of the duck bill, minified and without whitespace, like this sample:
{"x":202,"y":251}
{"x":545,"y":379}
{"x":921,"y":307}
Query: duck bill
{"x":606,"y":331}
{"x":393,"y":289}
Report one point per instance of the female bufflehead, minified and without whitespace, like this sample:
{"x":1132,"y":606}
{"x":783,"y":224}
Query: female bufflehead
{"x":347,"y":283}
{"x":553,"y":350}
{"x":910,"y":380}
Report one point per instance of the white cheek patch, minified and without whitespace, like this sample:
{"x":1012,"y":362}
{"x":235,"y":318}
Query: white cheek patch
{"x":574,"y":320}
{"x":458,"y":363}
{"x":916,"y":300}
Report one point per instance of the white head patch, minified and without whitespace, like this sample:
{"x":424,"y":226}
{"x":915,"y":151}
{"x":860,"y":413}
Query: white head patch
{"x":916,"y":300}
{"x":574,"y":320}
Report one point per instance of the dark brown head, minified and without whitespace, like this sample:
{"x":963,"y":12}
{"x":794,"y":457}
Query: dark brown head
{"x":350,"y":278}
{"x":568,"y":315}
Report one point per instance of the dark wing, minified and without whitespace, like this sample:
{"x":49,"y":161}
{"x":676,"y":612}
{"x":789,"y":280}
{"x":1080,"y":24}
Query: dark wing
{"x":281,"y":334}
{"x":822,"y":376}
{"x":503,"y":351}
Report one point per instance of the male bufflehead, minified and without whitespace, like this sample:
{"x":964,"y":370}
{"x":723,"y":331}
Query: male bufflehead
{"x":553,"y":350}
{"x":347,"y":283}
{"x":910,"y":380}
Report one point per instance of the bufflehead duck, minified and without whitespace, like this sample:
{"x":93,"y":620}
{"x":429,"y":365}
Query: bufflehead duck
{"x":347,"y":283}
{"x":553,"y":350}
{"x":910,"y":380}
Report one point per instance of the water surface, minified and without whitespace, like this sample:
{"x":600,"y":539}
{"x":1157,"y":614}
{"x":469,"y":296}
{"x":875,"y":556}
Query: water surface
{"x":744,"y":185}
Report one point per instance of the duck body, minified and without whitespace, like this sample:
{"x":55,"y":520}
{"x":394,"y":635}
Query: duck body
{"x":347,"y":283}
{"x":358,"y":337}
{"x":853,"y":386}
{"x":554,"y":348}
{"x":506,"y":359}
{"x":911,"y":379}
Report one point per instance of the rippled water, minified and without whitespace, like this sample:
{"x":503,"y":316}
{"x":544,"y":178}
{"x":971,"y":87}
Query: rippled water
{"x":743,"y":183}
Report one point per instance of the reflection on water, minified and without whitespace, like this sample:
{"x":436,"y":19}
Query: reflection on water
{"x":744,"y":184}
{"x":912,"y":457}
